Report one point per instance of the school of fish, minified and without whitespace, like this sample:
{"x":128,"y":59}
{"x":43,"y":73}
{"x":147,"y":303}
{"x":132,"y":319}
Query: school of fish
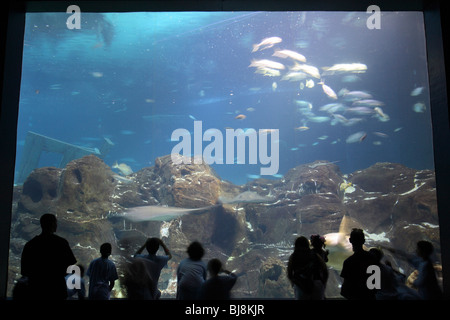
{"x":346,"y":108}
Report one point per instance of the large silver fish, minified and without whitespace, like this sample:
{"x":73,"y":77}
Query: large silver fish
{"x":246,"y":197}
{"x":163,"y":213}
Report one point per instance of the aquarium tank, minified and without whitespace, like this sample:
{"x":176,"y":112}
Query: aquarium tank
{"x":241,"y":130}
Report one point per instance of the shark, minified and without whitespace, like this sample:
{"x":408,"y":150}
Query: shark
{"x":166,"y":213}
{"x":247,"y":197}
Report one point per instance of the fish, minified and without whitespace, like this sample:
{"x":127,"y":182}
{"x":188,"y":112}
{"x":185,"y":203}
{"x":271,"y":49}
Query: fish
{"x":123,"y":168}
{"x":319,"y":119}
{"x":122,"y":179}
{"x":246,"y":197}
{"x":274,"y":86}
{"x":253,"y":176}
{"x":268,"y":72}
{"x":368,"y":102}
{"x":311,"y":70}
{"x":97,"y":74}
{"x":304,"y":104}
{"x":240,"y":116}
{"x":302,"y":128}
{"x":381,"y":134}
{"x":360,"y":110}
{"x":352,"y":121}
{"x":265,"y":63}
{"x":162,"y":213}
{"x":289,"y":54}
{"x":417,"y":91}
{"x":309,"y":83}
{"x":356,"y":137}
{"x":328,"y":91}
{"x":345,"y":67}
{"x":380,"y":113}
{"x":356,"y":95}
{"x":419,"y":107}
{"x":266,"y":43}
{"x":294,"y":76}
{"x":339,"y":248}
{"x":127,"y":132}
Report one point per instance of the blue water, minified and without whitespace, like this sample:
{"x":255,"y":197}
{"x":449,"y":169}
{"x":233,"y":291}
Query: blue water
{"x":136,"y":77}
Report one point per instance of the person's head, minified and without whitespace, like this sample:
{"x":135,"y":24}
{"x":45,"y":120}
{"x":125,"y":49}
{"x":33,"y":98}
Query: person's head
{"x":48,"y":223}
{"x":214,"y":267}
{"x":301,"y":243}
{"x":152,"y":245}
{"x":357,"y":238}
{"x":424,"y":249}
{"x":105,"y":250}
{"x":195,"y":251}
{"x":317,"y":241}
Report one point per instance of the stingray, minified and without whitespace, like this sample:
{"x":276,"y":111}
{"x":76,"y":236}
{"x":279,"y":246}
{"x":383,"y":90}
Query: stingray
{"x":162,"y":213}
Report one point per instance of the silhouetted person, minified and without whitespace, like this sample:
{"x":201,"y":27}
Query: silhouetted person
{"x":388,"y":283}
{"x":318,"y":244}
{"x":138,"y":280}
{"x":81,"y":292}
{"x":217,"y":287}
{"x":307,"y":272}
{"x":354,"y":270}
{"x":44,"y":262}
{"x":191,"y":273}
{"x":158,"y":262}
{"x":426,"y":282}
{"x":102,"y":274}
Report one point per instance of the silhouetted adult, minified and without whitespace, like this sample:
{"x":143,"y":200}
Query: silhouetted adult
{"x":102,"y":274}
{"x":44,"y":262}
{"x":158,"y":261}
{"x":307,"y":272}
{"x":217,"y":287}
{"x":191,"y":273}
{"x":354,"y":270}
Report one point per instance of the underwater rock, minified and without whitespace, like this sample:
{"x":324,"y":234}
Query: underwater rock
{"x":395,"y":205}
{"x":273,"y":280}
{"x":40,"y":190}
{"x":187,"y":185}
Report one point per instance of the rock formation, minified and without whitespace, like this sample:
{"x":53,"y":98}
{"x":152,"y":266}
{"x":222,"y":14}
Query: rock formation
{"x":395,"y":205}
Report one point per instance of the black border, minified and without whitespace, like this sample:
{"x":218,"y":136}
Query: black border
{"x":436,"y":27}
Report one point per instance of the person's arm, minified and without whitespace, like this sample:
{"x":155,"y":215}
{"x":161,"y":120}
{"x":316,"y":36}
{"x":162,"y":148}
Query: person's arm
{"x":141,"y":249}
{"x":166,"y":250}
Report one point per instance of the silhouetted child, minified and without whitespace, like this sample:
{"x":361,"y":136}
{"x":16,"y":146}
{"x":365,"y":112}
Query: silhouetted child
{"x":426,"y":282}
{"x":102,"y":273}
{"x":158,"y":261}
{"x":318,"y":244}
{"x":217,"y":287}
{"x":191,"y":273}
